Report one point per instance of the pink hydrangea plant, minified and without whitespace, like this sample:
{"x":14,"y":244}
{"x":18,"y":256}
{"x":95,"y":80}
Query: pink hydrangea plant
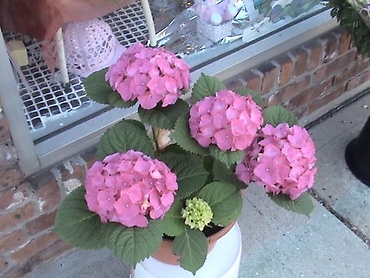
{"x":229,"y":120}
{"x":149,"y":75}
{"x":282,"y":161}
{"x":129,"y":188}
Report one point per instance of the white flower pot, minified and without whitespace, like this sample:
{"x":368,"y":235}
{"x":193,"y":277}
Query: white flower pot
{"x":222,"y":262}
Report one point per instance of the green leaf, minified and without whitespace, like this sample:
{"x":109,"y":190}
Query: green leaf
{"x":206,"y":86}
{"x":181,"y":135}
{"x":124,"y":136}
{"x":222,"y":173}
{"x":190,"y":173}
{"x":134,"y":244}
{"x":192,"y":247}
{"x":226,"y":157}
{"x":76,"y":224}
{"x":163,"y":117}
{"x":173,"y":223}
{"x":225,"y":200}
{"x":256,"y":96}
{"x":353,"y":24}
{"x":99,"y":90}
{"x":275,"y":115}
{"x":302,"y":205}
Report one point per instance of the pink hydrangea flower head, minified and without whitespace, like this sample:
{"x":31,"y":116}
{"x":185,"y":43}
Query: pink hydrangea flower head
{"x":282,"y":160}
{"x":130,"y":188}
{"x":229,"y":120}
{"x":149,"y":75}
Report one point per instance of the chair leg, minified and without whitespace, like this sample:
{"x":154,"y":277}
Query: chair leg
{"x":61,"y":56}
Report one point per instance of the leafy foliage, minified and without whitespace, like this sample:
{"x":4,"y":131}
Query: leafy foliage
{"x":222,"y":173}
{"x":303,"y":205}
{"x":226,"y":157}
{"x":225,"y":201}
{"x":256,"y":96}
{"x":173,"y":223}
{"x":351,"y":21}
{"x":190,"y":173}
{"x":206,"y":86}
{"x":278,"y":114}
{"x":100,"y":91}
{"x":133,"y":244}
{"x":204,"y":174}
{"x":163,"y":117}
{"x":124,"y":136}
{"x":191,"y":246}
{"x":181,"y":135}
{"x":76,"y":224}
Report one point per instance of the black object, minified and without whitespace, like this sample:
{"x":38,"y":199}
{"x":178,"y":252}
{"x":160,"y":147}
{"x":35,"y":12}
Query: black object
{"x":357,"y":155}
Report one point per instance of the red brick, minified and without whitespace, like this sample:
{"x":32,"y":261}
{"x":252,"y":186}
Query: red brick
{"x":40,"y":224}
{"x":300,"y":56}
{"x":11,"y":241}
{"x":347,"y":60}
{"x":343,"y":76}
{"x":330,"y":96}
{"x":46,"y":190}
{"x":345,"y":42}
{"x":8,"y":156}
{"x":341,"y":64}
{"x":286,"y":65}
{"x":10,"y":177}
{"x":331,"y":42}
{"x":89,"y":156}
{"x":295,"y":88}
{"x":320,"y":73}
{"x":361,"y":65}
{"x":315,"y":50}
{"x":17,"y":216}
{"x":72,"y":174}
{"x":353,"y":83}
{"x":300,"y":112}
{"x":18,"y":271}
{"x":234,"y":83}
{"x":366,"y":76}
{"x":319,"y":90}
{"x":14,"y":195}
{"x":3,"y":263}
{"x":270,"y":74}
{"x":254,"y":80}
{"x":274,"y":99}
{"x":50,"y":252}
{"x":34,"y":247}
{"x":298,"y":101}
{"x":4,"y":131}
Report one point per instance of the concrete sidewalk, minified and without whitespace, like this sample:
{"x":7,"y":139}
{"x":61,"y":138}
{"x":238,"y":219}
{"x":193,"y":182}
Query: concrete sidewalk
{"x":276,"y":243}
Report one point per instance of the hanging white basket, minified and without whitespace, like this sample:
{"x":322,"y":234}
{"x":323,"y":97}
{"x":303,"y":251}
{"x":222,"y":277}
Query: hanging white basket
{"x":214,"y":32}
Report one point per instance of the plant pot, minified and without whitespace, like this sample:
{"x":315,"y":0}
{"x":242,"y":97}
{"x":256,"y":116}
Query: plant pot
{"x":164,"y":251}
{"x":222,"y":261}
{"x":357,"y":155}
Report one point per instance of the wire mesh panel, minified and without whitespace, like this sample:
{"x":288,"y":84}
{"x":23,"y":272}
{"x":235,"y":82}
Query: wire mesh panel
{"x":46,"y":102}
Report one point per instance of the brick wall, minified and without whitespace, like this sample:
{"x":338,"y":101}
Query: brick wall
{"x":309,"y":76}
{"x":304,"y":79}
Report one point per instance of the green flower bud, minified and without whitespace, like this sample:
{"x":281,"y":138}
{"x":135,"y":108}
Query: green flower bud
{"x":197,"y":213}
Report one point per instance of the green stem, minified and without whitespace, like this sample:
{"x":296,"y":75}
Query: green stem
{"x":155,"y":138}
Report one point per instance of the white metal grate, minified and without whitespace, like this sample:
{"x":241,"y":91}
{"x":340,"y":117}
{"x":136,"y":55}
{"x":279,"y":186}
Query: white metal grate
{"x":48,"y":103}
